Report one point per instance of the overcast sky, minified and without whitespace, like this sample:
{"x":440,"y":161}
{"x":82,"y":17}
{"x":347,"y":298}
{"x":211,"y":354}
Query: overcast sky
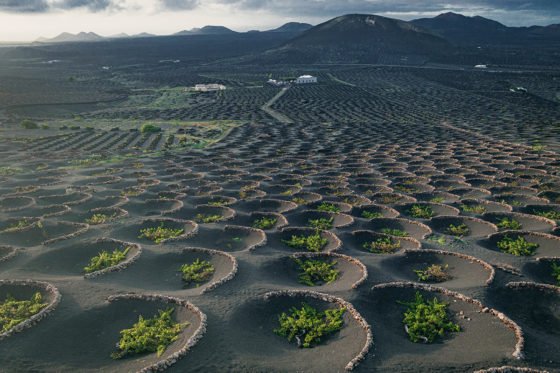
{"x":24,"y":20}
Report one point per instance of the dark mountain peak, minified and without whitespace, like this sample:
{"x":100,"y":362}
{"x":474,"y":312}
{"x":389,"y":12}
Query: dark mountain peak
{"x":292,"y":27}
{"x":66,"y":37}
{"x":207,"y":30}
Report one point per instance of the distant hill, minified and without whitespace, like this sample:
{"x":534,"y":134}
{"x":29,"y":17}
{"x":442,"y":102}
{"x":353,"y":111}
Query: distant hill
{"x":463,"y":30}
{"x":67,"y":37}
{"x":207,"y":30}
{"x":292,"y":27}
{"x":360,"y":38}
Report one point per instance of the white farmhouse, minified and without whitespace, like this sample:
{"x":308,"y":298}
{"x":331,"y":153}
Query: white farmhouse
{"x":209,"y":87}
{"x":306,"y":79}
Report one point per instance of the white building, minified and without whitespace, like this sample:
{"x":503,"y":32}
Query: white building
{"x":306,"y":79}
{"x":209,"y":87}
{"x":480,"y":66}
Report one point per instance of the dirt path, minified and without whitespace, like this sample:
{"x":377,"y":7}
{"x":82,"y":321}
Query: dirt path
{"x":267,"y":108}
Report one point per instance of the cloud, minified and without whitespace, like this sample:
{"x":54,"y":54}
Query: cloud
{"x":23,"y":6}
{"x":92,"y":5}
{"x":179,"y":4}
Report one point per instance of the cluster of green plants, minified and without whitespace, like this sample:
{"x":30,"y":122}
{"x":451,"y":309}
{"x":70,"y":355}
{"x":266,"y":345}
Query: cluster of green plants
{"x":218,"y":203}
{"x":208,"y":218}
{"x":371,"y":214}
{"x":474,"y":209}
{"x":308,"y":325}
{"x":438,"y":239}
{"x":556,"y":273}
{"x":321,"y":223}
{"x":20,"y":224}
{"x":506,"y":223}
{"x":131,"y":192}
{"x":437,"y":200}
{"x":9,"y":171}
{"x":518,"y":247}
{"x":106,"y":259}
{"x":264,"y":223}
{"x":427,"y":320}
{"x":299,"y":201}
{"x":149,"y":335}
{"x":404,"y":188}
{"x":313,"y":242}
{"x":149,"y":128}
{"x":197,"y":271}
{"x":99,"y":218}
{"x":316,"y":272}
{"x":382,"y":245}
{"x":460,"y":230}
{"x":29,"y":124}
{"x":390,"y":199}
{"x":433,"y":273}
{"x":160,"y":233}
{"x":395,"y":232}
{"x":328,"y":207}
{"x":421,"y":211}
{"x":551,"y":214}
{"x":13,"y":311}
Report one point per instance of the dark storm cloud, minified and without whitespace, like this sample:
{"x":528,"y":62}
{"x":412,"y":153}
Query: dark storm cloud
{"x":337,"y":7}
{"x":40,"y":6}
{"x":180,"y":4}
{"x":23,"y":6}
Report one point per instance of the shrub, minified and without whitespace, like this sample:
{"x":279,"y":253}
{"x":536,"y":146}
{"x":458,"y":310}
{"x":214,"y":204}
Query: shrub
{"x":105,"y":260}
{"x":433,"y":273}
{"x":421,"y":212}
{"x":160,"y":233}
{"x":556,"y":273}
{"x":308,"y":325}
{"x":551,"y":214}
{"x":321,"y":223}
{"x":97,"y":219}
{"x":394,"y":232}
{"x":316,"y":272}
{"x":437,"y":200}
{"x":29,"y":124}
{"x":313,"y":242}
{"x":9,"y":171}
{"x":13,"y":312}
{"x":149,"y":335}
{"x":264,"y":223}
{"x":299,"y":200}
{"x":371,"y":214}
{"x":197,"y":272}
{"x":506,"y":223}
{"x":474,"y":209}
{"x":460,"y":230}
{"x":149,"y":128}
{"x":382,"y":245}
{"x":218,"y":203}
{"x":20,"y":224}
{"x":426,"y":320}
{"x":328,"y":207}
{"x":205,"y":218}
{"x":518,"y":247}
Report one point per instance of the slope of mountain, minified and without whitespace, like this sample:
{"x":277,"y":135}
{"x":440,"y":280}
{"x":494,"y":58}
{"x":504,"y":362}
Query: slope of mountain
{"x":463,"y":30}
{"x":292,"y":27}
{"x":361,"y":38}
{"x":207,"y":30}
{"x":67,"y":37}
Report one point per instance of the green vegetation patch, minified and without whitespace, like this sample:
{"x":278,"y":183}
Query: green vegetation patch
{"x":29,"y":124}
{"x":551,"y":214}
{"x":149,"y":128}
{"x":313,"y":242}
{"x":328,"y":207}
{"x":9,"y":171}
{"x":433,"y":273}
{"x":97,"y":219}
{"x":308,"y":326}
{"x":106,"y":259}
{"x":18,"y":225}
{"x":208,"y":218}
{"x":382,"y":245}
{"x":506,"y":223}
{"x":421,"y":212}
{"x":474,"y":209}
{"x":556,"y":273}
{"x":426,"y":321}
{"x":321,"y":223}
{"x":197,"y":271}
{"x":265,"y":223}
{"x":149,"y":335}
{"x":518,"y":247}
{"x":460,"y":230}
{"x":160,"y":233}
{"x":13,"y":311}
{"x":371,"y":214}
{"x":316,"y":272}
{"x":395,"y":232}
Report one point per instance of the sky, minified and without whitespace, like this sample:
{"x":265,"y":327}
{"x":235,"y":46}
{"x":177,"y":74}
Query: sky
{"x":27,"y":20}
